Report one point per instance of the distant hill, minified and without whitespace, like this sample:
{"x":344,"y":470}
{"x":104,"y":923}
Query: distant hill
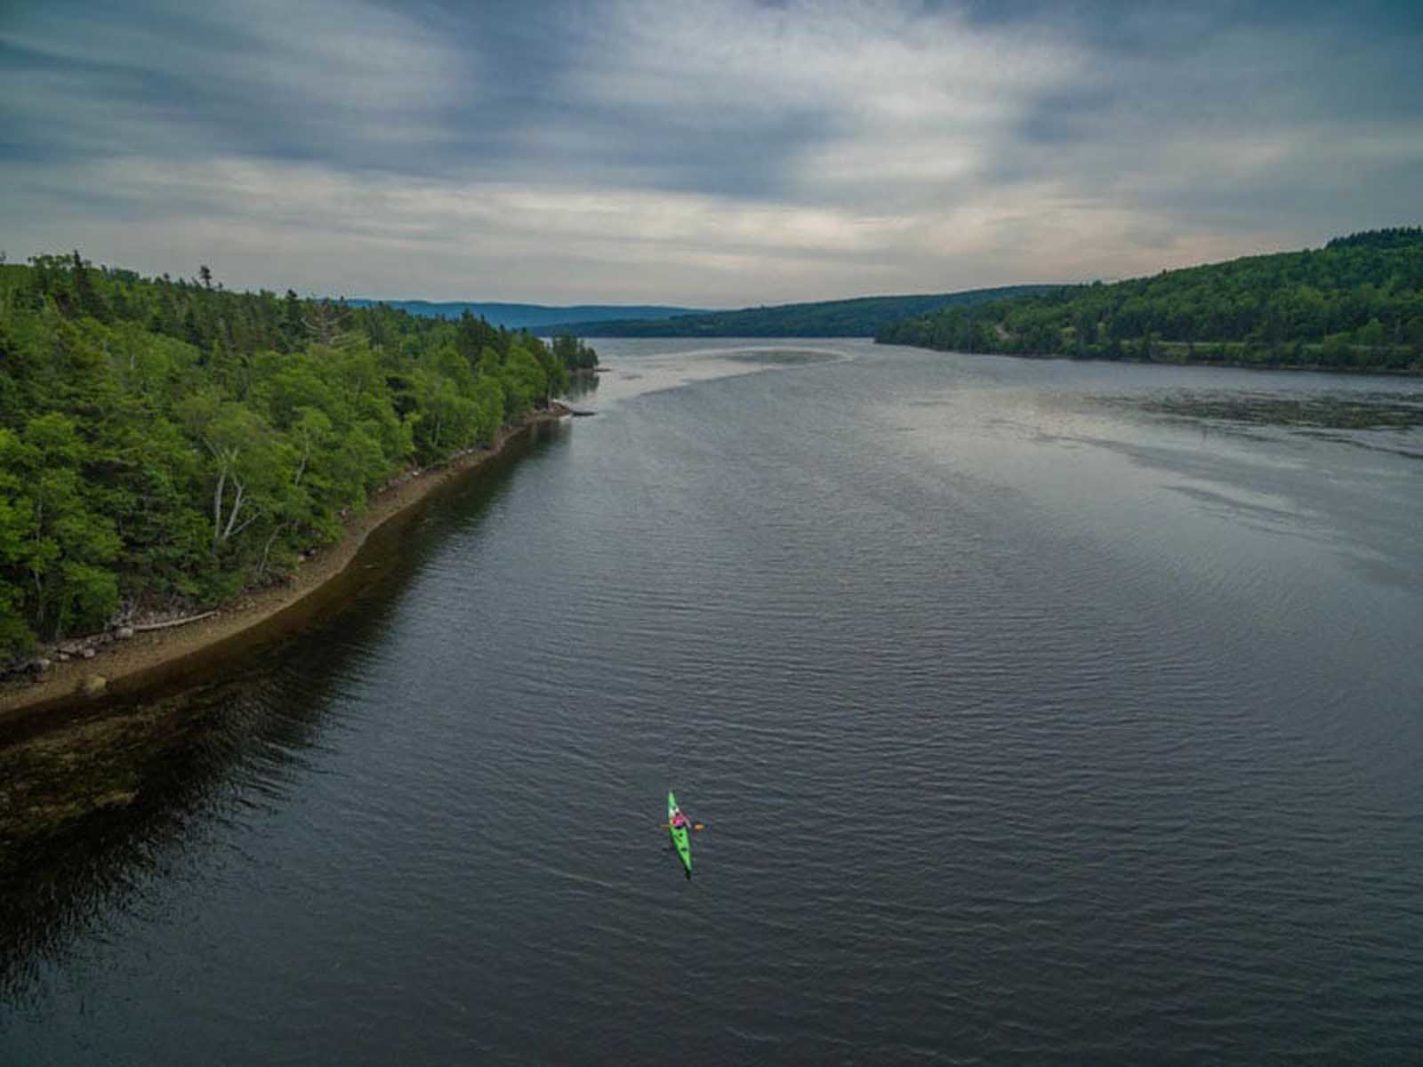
{"x":859,"y":317}
{"x":534,"y":317}
{"x":1356,"y":304}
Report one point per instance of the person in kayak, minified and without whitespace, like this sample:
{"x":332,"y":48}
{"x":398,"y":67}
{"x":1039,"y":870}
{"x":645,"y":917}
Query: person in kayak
{"x":679,"y":821}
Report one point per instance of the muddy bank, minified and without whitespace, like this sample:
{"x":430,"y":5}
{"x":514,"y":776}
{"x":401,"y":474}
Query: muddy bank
{"x":166,"y":656}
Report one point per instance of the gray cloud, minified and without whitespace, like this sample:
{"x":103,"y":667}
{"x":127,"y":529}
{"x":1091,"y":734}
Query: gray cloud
{"x":728,"y":152}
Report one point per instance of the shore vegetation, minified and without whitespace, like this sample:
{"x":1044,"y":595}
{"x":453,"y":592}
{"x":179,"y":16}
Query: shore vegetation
{"x":1356,"y":304}
{"x":166,"y":443}
{"x":857,"y":317}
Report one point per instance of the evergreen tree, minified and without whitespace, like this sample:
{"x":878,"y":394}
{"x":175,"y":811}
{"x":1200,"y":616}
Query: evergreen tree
{"x":168,"y":441}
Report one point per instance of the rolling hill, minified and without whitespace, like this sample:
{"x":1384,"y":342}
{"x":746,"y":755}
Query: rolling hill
{"x":858,"y":317}
{"x":535,"y":317}
{"x":1355,"y":304}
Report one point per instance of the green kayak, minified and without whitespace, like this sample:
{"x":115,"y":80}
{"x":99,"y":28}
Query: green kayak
{"x":681,"y":839}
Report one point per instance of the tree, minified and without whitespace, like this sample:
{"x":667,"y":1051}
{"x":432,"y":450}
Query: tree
{"x":51,"y":535}
{"x":166,"y":439}
{"x":86,"y":298}
{"x":245,"y":463}
{"x":324,"y":321}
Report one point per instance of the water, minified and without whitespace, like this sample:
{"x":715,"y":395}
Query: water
{"x":1040,"y":712}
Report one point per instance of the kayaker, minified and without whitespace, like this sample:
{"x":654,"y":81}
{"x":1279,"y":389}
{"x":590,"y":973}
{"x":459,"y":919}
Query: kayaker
{"x":679,"y":820}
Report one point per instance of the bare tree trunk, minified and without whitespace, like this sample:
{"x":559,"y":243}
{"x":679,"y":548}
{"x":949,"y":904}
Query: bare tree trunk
{"x":146,"y":627}
{"x":236,"y":507}
{"x":267,"y":550}
{"x":305,"y":455}
{"x":217,"y":511}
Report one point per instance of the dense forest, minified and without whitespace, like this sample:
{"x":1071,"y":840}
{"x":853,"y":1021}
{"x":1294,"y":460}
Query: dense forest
{"x":165,"y":443}
{"x":860,"y":317}
{"x":1356,"y":304}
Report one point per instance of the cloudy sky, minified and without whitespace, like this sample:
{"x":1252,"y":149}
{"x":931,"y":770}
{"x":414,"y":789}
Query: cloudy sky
{"x":717,"y":153}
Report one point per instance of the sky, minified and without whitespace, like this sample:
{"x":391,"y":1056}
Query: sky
{"x":721,"y":153}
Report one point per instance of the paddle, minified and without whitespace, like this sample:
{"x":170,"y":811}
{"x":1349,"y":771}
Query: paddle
{"x":695,"y":826}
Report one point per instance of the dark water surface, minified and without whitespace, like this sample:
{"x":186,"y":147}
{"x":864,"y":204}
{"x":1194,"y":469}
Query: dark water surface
{"x":1039,"y":712}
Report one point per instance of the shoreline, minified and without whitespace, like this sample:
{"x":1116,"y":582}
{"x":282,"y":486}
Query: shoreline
{"x":1228,"y":364}
{"x":149,"y":659}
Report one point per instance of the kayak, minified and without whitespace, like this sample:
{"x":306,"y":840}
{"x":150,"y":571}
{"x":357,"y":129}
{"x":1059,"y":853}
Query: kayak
{"x":681,"y":839}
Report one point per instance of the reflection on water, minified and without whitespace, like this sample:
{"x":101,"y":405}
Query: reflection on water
{"x":581,"y":386}
{"x":96,"y":811}
{"x":785,"y":357}
{"x":1340,"y":411}
{"x":1026,"y":725}
{"x":1375,"y":421}
{"x":636,"y":367}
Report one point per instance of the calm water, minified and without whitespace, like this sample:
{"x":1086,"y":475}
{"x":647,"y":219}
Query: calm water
{"x":1039,"y":712}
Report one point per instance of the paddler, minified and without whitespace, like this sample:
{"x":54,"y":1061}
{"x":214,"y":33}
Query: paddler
{"x":679,"y":821}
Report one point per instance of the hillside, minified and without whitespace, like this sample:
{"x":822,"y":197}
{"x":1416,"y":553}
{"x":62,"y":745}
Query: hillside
{"x":167,"y":443}
{"x":1356,"y":304}
{"x":858,"y":317}
{"x":530,"y":316}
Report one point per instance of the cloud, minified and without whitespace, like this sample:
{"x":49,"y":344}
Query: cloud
{"x":283,"y":224}
{"x":347,"y":81}
{"x":324,"y":221}
{"x":727,"y":152}
{"x":832,"y":101}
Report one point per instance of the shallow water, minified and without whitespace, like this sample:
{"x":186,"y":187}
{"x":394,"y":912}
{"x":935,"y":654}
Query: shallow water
{"x":1037,"y":711}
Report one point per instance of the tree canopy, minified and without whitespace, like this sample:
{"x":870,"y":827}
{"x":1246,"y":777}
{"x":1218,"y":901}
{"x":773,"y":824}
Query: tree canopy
{"x":166,"y":442}
{"x":1356,"y":304}
{"x":858,"y":317}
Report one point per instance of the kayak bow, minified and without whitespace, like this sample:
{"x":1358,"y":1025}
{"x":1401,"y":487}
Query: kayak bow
{"x":681,"y":838}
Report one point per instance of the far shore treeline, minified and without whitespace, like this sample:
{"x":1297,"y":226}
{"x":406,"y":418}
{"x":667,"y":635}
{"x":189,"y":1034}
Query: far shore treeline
{"x":1356,"y":304}
{"x":860,"y":316}
{"x":165,"y":443}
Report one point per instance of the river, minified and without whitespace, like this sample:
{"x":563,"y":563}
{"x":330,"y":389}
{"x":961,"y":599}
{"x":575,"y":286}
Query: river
{"x":1037,"y":711}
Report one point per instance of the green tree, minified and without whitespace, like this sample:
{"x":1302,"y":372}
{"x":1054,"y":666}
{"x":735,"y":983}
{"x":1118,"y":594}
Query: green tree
{"x":59,"y":544}
{"x":168,"y":440}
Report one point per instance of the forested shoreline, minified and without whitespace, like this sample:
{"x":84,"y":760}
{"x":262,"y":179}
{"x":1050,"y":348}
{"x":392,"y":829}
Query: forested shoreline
{"x":166,"y":443}
{"x":860,"y":316}
{"x":1354,"y":305}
